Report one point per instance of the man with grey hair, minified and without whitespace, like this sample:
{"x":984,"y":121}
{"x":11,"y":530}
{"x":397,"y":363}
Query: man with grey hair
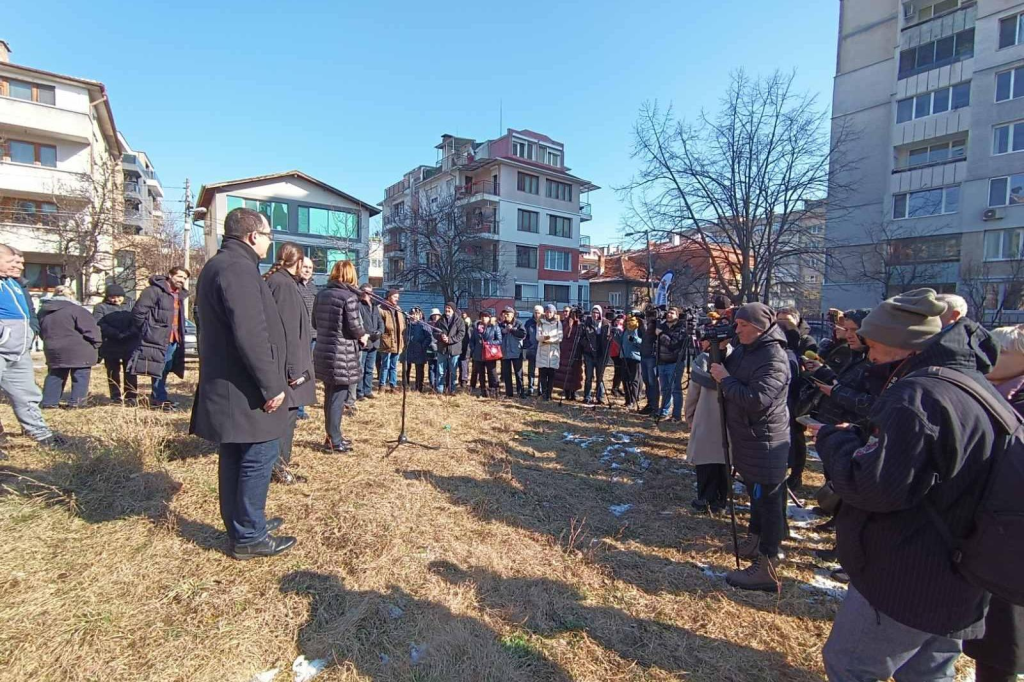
{"x":956,"y":307}
{"x":18,"y":328}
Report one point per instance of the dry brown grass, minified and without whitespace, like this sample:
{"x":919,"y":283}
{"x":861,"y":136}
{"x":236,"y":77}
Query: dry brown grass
{"x":495,"y":557}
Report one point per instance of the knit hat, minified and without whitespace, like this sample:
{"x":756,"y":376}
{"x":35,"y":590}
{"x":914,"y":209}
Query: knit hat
{"x":114,"y":290}
{"x":509,"y":309}
{"x":757,"y":314}
{"x":857,"y":315}
{"x":550,"y":308}
{"x":906,"y":321}
{"x":449,"y":304}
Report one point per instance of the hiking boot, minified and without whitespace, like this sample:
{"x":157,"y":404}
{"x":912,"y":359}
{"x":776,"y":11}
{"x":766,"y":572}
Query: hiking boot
{"x":760,"y":575}
{"x":748,"y":547}
{"x":54,"y":440}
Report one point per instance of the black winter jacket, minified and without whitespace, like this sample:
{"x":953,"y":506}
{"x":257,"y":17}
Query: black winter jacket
{"x":755,"y":407}
{"x":419,"y":343}
{"x":119,"y":335}
{"x":596,"y":342}
{"x":649,"y":340}
{"x":851,"y":398}
{"x":70,"y":335}
{"x":455,"y":330}
{"x":153,"y":316}
{"x":513,"y":337}
{"x":307,"y":290}
{"x":669,"y":343}
{"x":530,"y":342}
{"x":241,"y":351}
{"x":298,"y":359}
{"x":339,"y":327}
{"x":930,"y":440}
{"x":373,"y":323}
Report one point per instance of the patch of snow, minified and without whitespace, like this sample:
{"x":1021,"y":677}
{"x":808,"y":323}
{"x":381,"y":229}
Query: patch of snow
{"x":823,"y":583}
{"x":384,"y":658}
{"x":417,"y":652}
{"x":582,"y":441}
{"x":812,"y":454}
{"x":803,"y":515}
{"x":619,"y":509}
{"x":395,"y":612}
{"x":306,"y":670}
{"x":266,"y":676}
{"x":711,"y":573}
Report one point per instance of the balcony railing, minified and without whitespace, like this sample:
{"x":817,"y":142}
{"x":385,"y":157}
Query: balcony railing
{"x":584,"y":242}
{"x":585,"y":213}
{"x":479,"y":187}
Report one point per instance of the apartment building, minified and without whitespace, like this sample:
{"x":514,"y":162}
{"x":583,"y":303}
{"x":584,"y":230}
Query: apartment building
{"x":797,"y":279}
{"x":143,"y":211}
{"x":59,"y":148}
{"x":329,"y":224}
{"x":933,"y":91}
{"x":528,"y":205}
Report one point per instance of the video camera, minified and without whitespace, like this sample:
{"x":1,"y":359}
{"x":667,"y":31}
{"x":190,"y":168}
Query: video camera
{"x":715,"y":328}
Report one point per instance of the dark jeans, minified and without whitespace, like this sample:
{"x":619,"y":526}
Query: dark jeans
{"x":768,"y":515}
{"x":631,"y":381}
{"x":420,"y":371}
{"x":302,"y":408}
{"x":447,"y":368}
{"x":618,"y":373}
{"x":335,"y":396}
{"x":56,"y":378}
{"x":486,"y":372}
{"x":712,"y":483}
{"x":464,"y":368}
{"x":649,"y":372}
{"x":594,"y":371}
{"x":369,"y":361}
{"x":797,"y":452}
{"x":509,"y":369}
{"x":288,"y":436}
{"x":115,"y":368}
{"x":159,"y":387}
{"x":531,"y":368}
{"x":245,"y":470}
{"x":547,"y":381}
{"x":670,"y":379}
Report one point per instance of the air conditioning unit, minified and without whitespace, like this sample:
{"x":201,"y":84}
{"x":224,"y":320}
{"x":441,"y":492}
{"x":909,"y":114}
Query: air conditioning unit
{"x":908,"y":10}
{"x":992,"y":214}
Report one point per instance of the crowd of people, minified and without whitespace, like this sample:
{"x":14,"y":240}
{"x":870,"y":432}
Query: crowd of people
{"x":907,"y":451}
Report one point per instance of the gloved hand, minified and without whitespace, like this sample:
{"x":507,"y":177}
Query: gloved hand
{"x":374,"y":337}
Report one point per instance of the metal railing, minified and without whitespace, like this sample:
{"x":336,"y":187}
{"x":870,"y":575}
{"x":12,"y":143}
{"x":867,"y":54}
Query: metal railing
{"x":478,"y":187}
{"x":585,"y":212}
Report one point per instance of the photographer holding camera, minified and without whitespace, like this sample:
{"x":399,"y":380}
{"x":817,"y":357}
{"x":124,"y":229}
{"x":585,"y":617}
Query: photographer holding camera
{"x":596,"y":342}
{"x":671,"y":335}
{"x":755,"y":383}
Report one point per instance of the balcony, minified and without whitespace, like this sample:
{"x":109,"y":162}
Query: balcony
{"x":478,"y":191}
{"x":966,"y":4}
{"x":397,"y":188}
{"x":38,"y":182}
{"x":585,"y":213}
{"x":584,"y":243}
{"x":48,"y":120}
{"x":133,"y":189}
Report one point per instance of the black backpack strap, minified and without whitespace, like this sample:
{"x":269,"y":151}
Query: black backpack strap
{"x":1003,"y":414}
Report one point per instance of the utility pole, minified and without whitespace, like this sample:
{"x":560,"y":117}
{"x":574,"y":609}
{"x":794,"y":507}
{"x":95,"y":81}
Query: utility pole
{"x":188,"y":224}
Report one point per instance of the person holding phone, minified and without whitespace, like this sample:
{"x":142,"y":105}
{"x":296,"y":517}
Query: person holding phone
{"x":283,"y":278}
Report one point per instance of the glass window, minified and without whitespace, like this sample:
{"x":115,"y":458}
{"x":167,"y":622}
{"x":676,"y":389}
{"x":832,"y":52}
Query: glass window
{"x":958,"y":149}
{"x":926,"y":203}
{"x":944,"y":48}
{"x":19,"y":89}
{"x":1016,"y":190}
{"x":1018,"y":82}
{"x":965,"y":44}
{"x":993,"y":245}
{"x":529,"y":221}
{"x":22,"y":152}
{"x":908,"y":59}
{"x":48,"y":155}
{"x":899,"y":206}
{"x":940,"y":101}
{"x":961,"y":95}
{"x":557,"y":293}
{"x":1001,"y":140}
{"x":557,"y":260}
{"x":1008,"y":30}
{"x":47,"y":94}
{"x":925,"y":55}
{"x":276,"y":212}
{"x":527,"y":292}
{"x":951,"y":200}
{"x":271,"y":255}
{"x":559,"y":190}
{"x":923,"y":105}
{"x":526,"y":257}
{"x":327,"y":223}
{"x":918,"y":156}
{"x":997,"y":191}
{"x":1018,"y":137}
{"x":938,"y":152}
{"x":905,"y":110}
{"x":529,"y":183}
{"x":1004,"y":85}
{"x":42,"y":277}
{"x":559,"y":226}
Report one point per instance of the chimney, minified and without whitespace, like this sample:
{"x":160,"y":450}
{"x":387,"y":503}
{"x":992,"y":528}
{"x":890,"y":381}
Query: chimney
{"x":600,"y":263}
{"x":5,"y":51}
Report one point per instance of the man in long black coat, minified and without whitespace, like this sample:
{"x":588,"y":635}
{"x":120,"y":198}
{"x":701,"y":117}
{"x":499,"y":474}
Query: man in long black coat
{"x":242,"y":382}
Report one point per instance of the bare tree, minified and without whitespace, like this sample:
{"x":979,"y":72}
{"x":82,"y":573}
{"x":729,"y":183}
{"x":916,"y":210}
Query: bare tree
{"x":899,"y":258}
{"x":157,"y":250}
{"x":739,"y":183}
{"x":447,"y":247}
{"x":992,"y":287}
{"x":89,"y":216}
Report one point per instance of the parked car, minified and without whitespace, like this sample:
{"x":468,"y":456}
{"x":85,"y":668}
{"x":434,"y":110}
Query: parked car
{"x":191,"y":339}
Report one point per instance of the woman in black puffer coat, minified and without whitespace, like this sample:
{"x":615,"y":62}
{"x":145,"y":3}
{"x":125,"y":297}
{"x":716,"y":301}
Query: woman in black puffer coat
{"x":339,"y":336}
{"x":70,"y":339}
{"x":282,"y":280}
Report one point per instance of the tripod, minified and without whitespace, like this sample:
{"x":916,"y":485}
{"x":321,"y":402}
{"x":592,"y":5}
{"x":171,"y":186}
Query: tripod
{"x":718,"y":357}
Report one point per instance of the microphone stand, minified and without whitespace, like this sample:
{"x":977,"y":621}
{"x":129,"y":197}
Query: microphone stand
{"x":718,"y":357}
{"x":403,"y":438}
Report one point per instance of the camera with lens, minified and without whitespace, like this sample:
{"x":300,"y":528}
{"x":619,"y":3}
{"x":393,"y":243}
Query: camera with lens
{"x":715,"y":329}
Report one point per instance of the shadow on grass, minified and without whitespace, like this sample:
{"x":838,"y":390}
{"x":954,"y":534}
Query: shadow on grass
{"x":547,"y":607}
{"x":394,"y":636}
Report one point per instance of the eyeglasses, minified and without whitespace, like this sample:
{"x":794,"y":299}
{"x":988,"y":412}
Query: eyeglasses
{"x":266,"y":233}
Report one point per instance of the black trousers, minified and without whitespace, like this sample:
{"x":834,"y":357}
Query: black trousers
{"x":631,"y":376}
{"x":115,"y":368}
{"x":797,"y":451}
{"x":768,"y":515}
{"x":486,"y":372}
{"x":712,"y":483}
{"x":287,"y":437}
{"x":547,"y":382}
{"x":420,"y":369}
{"x":618,"y":373}
{"x":509,"y":369}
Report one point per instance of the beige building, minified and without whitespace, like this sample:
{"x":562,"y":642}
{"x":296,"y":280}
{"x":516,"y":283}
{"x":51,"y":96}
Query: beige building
{"x":933,"y":91}
{"x":59,"y":176}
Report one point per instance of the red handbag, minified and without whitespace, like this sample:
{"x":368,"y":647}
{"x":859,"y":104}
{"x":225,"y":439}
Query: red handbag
{"x":492,"y":351}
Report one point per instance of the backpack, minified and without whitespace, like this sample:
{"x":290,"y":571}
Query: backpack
{"x":989,"y":555}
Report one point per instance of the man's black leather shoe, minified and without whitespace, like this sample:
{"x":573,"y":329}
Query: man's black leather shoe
{"x":268,"y":546}
{"x":274,"y":523}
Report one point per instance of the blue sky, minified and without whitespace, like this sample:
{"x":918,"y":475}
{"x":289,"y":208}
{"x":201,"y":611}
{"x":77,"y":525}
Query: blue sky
{"x":357,"y":94}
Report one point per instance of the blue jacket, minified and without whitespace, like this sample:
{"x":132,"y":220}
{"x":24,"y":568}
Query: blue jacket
{"x":419,"y":343}
{"x":530,"y":342}
{"x":629,"y":344}
{"x":513,"y":338}
{"x":16,"y":304}
{"x":480,"y":334}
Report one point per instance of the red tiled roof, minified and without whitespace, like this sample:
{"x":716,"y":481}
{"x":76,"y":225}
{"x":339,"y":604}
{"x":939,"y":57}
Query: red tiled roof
{"x":632,"y":265}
